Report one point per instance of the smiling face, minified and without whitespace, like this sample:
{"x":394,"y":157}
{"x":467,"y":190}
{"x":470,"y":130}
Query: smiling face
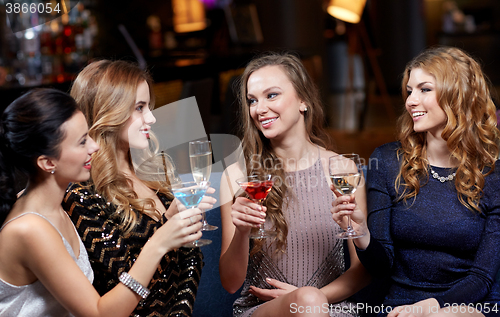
{"x":422,"y":103}
{"x":135,"y":133}
{"x":274,"y":105}
{"x":73,"y":165}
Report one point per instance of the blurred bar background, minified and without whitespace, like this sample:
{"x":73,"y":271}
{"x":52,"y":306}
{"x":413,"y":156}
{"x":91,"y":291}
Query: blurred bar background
{"x":199,"y":47}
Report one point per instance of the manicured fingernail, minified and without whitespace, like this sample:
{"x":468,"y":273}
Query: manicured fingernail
{"x":268,"y":279}
{"x":263,"y":214}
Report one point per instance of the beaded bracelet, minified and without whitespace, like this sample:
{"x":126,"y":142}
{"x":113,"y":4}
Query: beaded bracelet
{"x":133,"y":285}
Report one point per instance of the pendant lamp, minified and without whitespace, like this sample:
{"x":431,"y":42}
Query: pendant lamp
{"x":346,"y":10}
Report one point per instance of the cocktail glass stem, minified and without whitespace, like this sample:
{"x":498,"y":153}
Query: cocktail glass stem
{"x":257,"y":187}
{"x":262,"y":233}
{"x":199,"y":242}
{"x":190,"y":194}
{"x":205,"y":225}
{"x":349,"y":225}
{"x":261,"y":230}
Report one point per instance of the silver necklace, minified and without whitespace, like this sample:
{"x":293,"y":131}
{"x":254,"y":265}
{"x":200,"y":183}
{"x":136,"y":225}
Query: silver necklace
{"x":442,"y":179}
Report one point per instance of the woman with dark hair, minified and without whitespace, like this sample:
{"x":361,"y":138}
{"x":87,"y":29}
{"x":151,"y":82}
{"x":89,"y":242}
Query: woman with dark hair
{"x":44,"y":267}
{"x":117,"y":211}
{"x":433,"y":198}
{"x":302,"y":269}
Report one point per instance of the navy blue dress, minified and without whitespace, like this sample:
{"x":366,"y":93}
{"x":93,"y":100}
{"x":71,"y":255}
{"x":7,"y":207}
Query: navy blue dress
{"x":432,"y":246}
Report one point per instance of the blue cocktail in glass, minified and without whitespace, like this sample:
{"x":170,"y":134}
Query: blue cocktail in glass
{"x":190,"y":194}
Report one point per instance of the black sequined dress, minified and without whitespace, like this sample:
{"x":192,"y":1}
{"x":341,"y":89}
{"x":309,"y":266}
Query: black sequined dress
{"x":175,"y":282}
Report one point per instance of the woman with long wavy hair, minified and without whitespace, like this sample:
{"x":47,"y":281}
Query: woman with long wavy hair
{"x":282,"y":119}
{"x":434,"y":207}
{"x":118,"y":210}
{"x":44,"y":267}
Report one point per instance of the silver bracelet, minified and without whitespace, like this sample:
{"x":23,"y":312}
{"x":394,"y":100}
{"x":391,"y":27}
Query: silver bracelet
{"x":133,"y":285}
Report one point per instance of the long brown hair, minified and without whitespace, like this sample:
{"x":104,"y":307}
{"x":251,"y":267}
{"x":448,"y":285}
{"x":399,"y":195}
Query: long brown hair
{"x":471,"y":133}
{"x":255,"y":145}
{"x":106,"y":92}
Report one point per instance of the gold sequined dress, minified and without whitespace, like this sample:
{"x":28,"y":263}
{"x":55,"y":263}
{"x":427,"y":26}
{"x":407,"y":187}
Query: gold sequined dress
{"x":314,"y":255}
{"x":175,"y":282}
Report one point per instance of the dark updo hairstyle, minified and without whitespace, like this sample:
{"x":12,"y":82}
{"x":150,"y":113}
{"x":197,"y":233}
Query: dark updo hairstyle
{"x":30,"y":127}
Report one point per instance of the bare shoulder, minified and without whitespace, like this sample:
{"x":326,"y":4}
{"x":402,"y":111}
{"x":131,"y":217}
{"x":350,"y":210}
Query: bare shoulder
{"x":18,"y":239}
{"x":234,"y":171}
{"x":29,"y":240}
{"x":28,"y":227}
{"x":231,"y":174}
{"x":326,"y":154}
{"x":229,"y":187}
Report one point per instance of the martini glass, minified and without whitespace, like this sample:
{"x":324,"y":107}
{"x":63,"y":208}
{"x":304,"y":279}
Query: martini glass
{"x":200,"y":157}
{"x":190,"y":195}
{"x":345,"y":173}
{"x":257,"y":187}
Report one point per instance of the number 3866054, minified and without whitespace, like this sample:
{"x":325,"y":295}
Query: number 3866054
{"x":41,"y":7}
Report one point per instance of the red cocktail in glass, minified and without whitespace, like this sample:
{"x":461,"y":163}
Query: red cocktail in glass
{"x":257,"y":187}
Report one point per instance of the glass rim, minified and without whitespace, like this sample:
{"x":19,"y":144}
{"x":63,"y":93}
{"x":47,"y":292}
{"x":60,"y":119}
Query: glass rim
{"x":199,"y":141}
{"x":255,"y":178}
{"x":181,"y":185}
{"x":345,"y":155}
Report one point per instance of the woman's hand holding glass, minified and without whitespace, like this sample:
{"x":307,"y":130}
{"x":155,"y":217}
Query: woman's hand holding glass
{"x":346,"y":174}
{"x":247,"y":214}
{"x":207,"y":202}
{"x":184,"y":227}
{"x":189,"y":195}
{"x":344,"y":206}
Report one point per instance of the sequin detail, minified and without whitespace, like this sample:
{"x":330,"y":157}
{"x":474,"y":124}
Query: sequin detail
{"x":175,"y":282}
{"x":314,"y":255}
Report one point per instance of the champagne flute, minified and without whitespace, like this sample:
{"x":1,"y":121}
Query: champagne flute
{"x":257,"y":187}
{"x":200,"y":156}
{"x":345,"y":173}
{"x":190,"y":195}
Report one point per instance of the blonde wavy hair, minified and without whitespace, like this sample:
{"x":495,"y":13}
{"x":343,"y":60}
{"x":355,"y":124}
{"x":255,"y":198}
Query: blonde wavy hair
{"x":471,"y":133}
{"x":256,"y":145}
{"x":106,"y":92}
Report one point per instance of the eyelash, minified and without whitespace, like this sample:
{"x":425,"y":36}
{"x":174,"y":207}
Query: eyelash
{"x":84,"y":141}
{"x":139,"y":108}
{"x":408,"y":92}
{"x":272,"y":95}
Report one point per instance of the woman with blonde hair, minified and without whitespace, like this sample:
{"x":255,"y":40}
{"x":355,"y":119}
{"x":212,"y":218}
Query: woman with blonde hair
{"x":44,"y":267}
{"x":434,"y":207}
{"x":118,"y":212}
{"x":303,"y":268}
